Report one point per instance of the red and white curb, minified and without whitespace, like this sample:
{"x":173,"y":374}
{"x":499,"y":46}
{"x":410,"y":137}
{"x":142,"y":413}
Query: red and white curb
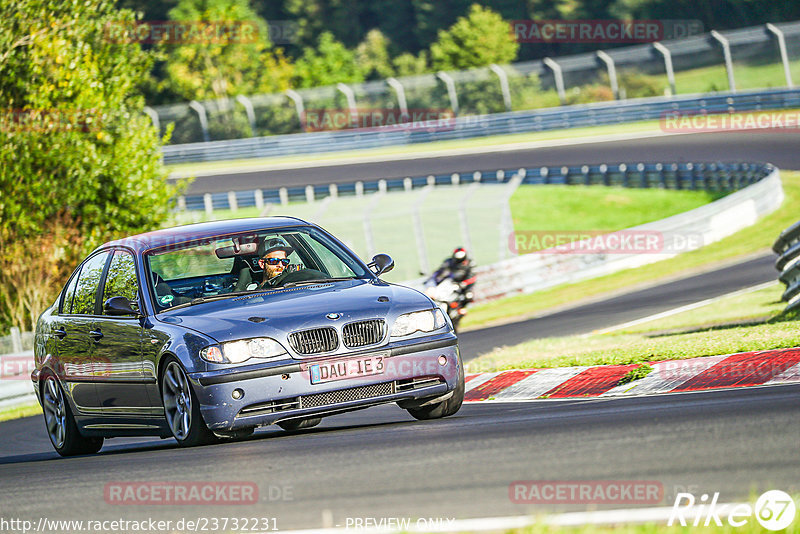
{"x":712,"y":372}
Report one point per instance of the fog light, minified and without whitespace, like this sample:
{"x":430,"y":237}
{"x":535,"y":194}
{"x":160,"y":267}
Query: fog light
{"x":442,"y":360}
{"x":237,"y":394}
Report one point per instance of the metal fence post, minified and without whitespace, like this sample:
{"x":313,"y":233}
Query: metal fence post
{"x":667,"y":65}
{"x":202,"y":117}
{"x":16,"y":339}
{"x":451,"y":89}
{"x":612,"y":72}
{"x":298,"y":106}
{"x":784,"y":55}
{"x":153,"y":114}
{"x":248,"y":109}
{"x":419,"y":230}
{"x":506,"y":220}
{"x":462,"y":216}
{"x":400,"y":91}
{"x":559,"y":77}
{"x":726,"y":52}
{"x":351,"y":99}
{"x":501,"y":74}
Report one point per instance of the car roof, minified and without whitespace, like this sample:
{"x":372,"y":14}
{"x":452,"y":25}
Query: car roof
{"x":190,"y":232}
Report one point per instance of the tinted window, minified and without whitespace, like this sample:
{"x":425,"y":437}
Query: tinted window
{"x":88,"y":282}
{"x":69,"y":292}
{"x":121,"y":278}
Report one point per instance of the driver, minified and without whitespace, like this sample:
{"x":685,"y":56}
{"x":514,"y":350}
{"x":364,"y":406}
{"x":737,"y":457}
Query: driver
{"x":274,"y":260}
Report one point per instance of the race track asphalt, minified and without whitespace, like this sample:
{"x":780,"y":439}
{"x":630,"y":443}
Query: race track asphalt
{"x":777,"y":148}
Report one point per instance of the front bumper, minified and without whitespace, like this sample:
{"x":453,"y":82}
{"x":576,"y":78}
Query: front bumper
{"x":413,"y":372}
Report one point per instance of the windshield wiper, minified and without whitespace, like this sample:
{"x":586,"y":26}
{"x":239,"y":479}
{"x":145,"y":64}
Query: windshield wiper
{"x":318,"y":281}
{"x":209,"y":298}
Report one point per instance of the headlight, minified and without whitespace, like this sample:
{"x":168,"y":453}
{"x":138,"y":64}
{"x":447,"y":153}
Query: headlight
{"x":422,"y":321}
{"x":243,"y":350}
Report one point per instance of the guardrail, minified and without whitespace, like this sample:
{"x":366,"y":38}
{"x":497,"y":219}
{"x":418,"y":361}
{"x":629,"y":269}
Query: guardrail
{"x":484,"y":125}
{"x":787,"y":246}
{"x":16,"y":388}
{"x":714,"y":176}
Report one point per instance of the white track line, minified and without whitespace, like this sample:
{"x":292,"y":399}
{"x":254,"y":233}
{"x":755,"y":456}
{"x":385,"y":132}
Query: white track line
{"x":682,"y":309}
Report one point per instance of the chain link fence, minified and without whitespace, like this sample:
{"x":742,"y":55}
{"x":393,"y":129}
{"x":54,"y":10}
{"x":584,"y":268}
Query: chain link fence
{"x":750,"y":58}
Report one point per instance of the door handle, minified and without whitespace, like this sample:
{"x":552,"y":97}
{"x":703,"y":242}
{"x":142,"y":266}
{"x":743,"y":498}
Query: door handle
{"x":60,"y":333}
{"x":96,"y":335}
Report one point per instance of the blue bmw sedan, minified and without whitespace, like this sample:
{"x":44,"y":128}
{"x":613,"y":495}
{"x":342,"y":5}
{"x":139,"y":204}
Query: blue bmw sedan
{"x":208,"y":331}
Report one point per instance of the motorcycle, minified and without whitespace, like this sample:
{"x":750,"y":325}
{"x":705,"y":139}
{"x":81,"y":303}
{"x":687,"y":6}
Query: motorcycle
{"x":451,"y":296}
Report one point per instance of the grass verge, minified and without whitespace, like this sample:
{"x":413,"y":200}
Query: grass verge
{"x":758,"y":237}
{"x":18,"y":412}
{"x":740,"y":323}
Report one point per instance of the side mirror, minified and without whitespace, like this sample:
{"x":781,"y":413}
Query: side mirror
{"x":381,"y":263}
{"x":118,"y":306}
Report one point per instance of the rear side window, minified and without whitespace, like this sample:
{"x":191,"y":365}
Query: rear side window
{"x":88,"y":283}
{"x":121,"y":278}
{"x":69,"y":292}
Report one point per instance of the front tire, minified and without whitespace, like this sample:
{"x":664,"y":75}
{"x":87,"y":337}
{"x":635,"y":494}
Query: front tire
{"x":182,"y":408}
{"x":446,"y":407}
{"x":299,"y":424}
{"x":60,"y":423}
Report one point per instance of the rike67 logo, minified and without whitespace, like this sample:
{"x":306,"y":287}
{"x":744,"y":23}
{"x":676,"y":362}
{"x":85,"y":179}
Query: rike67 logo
{"x":774,"y":510}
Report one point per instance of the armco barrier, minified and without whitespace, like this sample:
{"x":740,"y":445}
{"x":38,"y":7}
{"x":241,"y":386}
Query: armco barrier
{"x":687,"y":231}
{"x":484,"y":125}
{"x":787,"y":246}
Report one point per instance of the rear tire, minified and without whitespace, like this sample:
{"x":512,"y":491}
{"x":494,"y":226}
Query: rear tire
{"x":182,"y":409}
{"x":60,"y":423}
{"x":299,"y":424}
{"x":446,"y":407}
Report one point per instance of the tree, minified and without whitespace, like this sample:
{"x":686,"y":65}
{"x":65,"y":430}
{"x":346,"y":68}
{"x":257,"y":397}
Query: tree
{"x":238,"y":63}
{"x":479,"y":39}
{"x":407,"y":64}
{"x":372,"y":56}
{"x":330,"y":63}
{"x":79,"y":162}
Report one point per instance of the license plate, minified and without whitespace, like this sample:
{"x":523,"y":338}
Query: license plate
{"x":343,"y":369}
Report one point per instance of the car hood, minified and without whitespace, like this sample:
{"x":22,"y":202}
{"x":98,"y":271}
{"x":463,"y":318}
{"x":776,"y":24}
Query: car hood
{"x":278,"y":312}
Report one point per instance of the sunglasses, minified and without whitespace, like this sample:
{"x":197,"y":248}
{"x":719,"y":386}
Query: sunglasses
{"x":276,"y":261}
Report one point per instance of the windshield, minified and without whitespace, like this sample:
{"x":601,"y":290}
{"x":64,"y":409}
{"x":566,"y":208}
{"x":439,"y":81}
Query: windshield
{"x":234,"y":264}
